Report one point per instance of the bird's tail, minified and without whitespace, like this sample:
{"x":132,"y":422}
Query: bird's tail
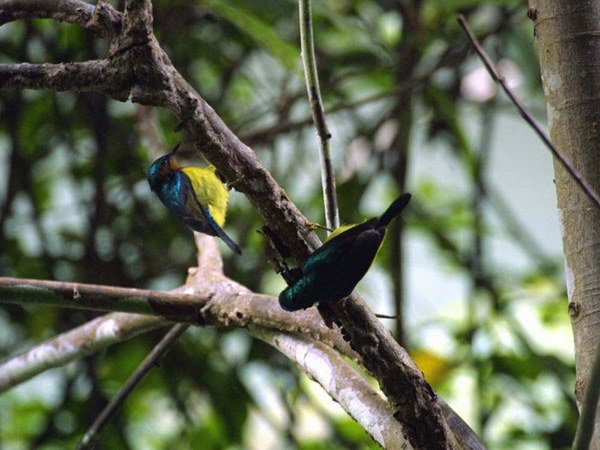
{"x":230,"y":242}
{"x":394,"y":209}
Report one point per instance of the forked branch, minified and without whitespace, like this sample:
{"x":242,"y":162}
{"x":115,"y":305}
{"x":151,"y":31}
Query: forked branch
{"x":151,"y":79}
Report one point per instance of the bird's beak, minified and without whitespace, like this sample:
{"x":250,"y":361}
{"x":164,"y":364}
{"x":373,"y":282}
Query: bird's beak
{"x":172,"y":163}
{"x":174,"y":149}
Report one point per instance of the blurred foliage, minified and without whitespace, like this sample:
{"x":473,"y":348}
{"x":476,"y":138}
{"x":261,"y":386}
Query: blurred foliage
{"x":74,"y":205}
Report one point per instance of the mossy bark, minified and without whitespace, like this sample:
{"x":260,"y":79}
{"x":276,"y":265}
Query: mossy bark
{"x":568,"y":39}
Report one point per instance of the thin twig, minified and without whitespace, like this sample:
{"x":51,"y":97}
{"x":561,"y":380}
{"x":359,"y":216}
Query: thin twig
{"x":388,"y":316}
{"x":161,"y":349}
{"x":489,"y":65}
{"x":314,"y":95}
{"x":478,"y":197}
{"x":589,"y":407}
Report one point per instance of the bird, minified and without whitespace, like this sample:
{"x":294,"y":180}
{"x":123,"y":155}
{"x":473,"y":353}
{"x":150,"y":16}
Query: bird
{"x":332,"y":271}
{"x":194,"y":195}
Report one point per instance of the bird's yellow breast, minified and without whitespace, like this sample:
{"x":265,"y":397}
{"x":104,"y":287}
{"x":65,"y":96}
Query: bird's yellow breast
{"x":209,"y":191}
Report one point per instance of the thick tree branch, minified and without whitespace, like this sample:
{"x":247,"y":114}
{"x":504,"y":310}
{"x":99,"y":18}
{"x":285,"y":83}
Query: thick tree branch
{"x":226,"y":303}
{"x":154,"y":81}
{"x":71,"y":11}
{"x":75,"y":344}
{"x":174,"y":306}
{"x":90,"y":76}
{"x":589,"y":407}
{"x":137,"y":22}
{"x":342,"y":383}
{"x":102,"y":18}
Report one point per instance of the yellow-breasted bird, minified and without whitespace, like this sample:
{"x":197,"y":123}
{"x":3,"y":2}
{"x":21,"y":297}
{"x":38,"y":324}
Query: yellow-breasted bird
{"x":195,"y":196}
{"x":332,"y":271}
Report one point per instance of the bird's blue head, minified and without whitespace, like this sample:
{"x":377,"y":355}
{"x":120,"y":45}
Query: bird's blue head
{"x":162,"y":168}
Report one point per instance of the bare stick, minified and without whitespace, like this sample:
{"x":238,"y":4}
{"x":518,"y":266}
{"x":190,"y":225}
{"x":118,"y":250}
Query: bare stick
{"x":589,"y":407}
{"x":489,"y":65}
{"x":157,"y":353}
{"x":178,"y":306}
{"x":318,"y":115}
{"x":100,"y":75}
{"x":101,"y":18}
{"x":388,"y":316}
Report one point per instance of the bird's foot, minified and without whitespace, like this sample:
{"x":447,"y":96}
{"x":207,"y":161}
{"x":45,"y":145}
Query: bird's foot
{"x":291,"y":276}
{"x":312,"y":226}
{"x":232,"y":183}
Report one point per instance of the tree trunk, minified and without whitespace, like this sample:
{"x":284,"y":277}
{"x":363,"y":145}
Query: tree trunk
{"x":568,"y":38}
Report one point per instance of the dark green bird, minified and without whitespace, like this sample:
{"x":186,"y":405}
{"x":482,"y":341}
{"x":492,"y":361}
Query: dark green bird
{"x":335,"y":268}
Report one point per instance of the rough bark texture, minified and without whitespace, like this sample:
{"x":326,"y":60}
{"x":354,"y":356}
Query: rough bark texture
{"x":211,"y":298}
{"x":137,"y":69}
{"x":343,"y":383}
{"x":318,"y":358}
{"x":568,"y":39}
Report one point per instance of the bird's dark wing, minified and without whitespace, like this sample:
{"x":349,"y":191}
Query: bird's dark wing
{"x":199,"y":218}
{"x":337,"y":267}
{"x":355,"y":263}
{"x":335,"y":248}
{"x":190,"y":211}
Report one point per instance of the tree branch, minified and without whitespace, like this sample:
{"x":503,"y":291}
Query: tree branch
{"x":225,"y":303}
{"x":154,"y":81}
{"x":589,"y":407}
{"x":354,"y":394}
{"x":318,"y":114}
{"x":102,"y":18}
{"x":174,"y":306}
{"x":90,"y":76}
{"x":562,"y":27}
{"x":75,"y":344}
{"x":489,"y":65}
{"x":157,"y":353}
